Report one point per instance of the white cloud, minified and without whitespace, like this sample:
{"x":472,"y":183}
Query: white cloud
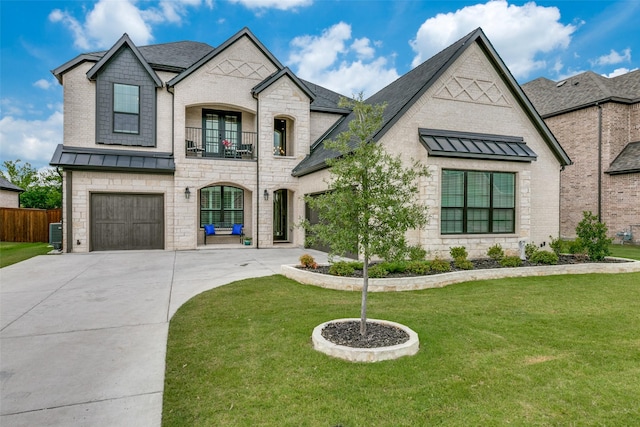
{"x":109,"y":19}
{"x":32,"y":141}
{"x":331,"y":61}
{"x":614,"y":58}
{"x":519,"y":33}
{"x":44,"y":84}
{"x":273,"y":4}
{"x":619,"y":71}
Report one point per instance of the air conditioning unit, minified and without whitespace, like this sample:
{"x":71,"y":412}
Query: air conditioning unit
{"x":55,"y":235}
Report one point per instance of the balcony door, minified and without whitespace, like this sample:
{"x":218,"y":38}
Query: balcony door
{"x":221,"y":132}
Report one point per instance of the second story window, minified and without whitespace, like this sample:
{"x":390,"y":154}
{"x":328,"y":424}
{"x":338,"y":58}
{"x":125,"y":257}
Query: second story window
{"x":126,"y":108}
{"x":279,"y":137}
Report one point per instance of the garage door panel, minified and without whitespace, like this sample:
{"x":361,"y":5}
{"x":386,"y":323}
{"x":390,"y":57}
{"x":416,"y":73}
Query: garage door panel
{"x":127,"y":221}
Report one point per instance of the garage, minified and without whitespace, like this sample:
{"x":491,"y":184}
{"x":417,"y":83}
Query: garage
{"x":126,"y":221}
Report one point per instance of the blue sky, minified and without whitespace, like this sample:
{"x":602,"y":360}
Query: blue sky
{"x":347,"y":46}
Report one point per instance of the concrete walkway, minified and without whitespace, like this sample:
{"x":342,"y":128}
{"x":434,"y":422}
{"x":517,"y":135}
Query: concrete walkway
{"x":83,"y":336}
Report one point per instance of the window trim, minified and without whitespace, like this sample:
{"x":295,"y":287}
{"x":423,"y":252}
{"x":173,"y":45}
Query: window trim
{"x":114,"y":112}
{"x":287,"y":133}
{"x":491,"y":209}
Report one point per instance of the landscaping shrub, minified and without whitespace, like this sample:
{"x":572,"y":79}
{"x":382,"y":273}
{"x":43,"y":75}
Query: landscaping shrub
{"x":440,"y":266}
{"x":463,"y":264}
{"x":511,"y":261}
{"x":418,"y":267}
{"x":458,"y":252}
{"x":544,"y":257}
{"x":593,"y":235}
{"x":341,"y":268}
{"x":530,"y":249}
{"x":417,"y":253}
{"x":556,"y":245}
{"x":307,"y":261}
{"x":394,"y":266}
{"x":495,"y":252}
{"x":378,"y":271}
{"x":576,"y":247}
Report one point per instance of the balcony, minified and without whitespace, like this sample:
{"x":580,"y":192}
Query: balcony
{"x":207,"y":143}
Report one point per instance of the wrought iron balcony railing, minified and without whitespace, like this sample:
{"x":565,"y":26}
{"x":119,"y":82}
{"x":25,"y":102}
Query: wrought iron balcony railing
{"x":208,"y":143}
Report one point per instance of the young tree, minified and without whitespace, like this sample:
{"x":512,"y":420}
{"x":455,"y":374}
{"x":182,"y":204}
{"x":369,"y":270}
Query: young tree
{"x":42,"y":189}
{"x":372,"y":198}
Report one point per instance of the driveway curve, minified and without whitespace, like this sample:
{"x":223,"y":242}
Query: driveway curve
{"x":83,"y":336}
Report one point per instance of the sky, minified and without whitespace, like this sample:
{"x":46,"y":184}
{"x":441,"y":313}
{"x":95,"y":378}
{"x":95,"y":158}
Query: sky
{"x":349,"y":46}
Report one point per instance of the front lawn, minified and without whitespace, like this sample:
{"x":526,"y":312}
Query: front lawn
{"x":11,"y":253}
{"x":625,"y":251}
{"x":556,"y":350}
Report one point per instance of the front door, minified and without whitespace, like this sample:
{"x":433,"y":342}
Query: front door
{"x":221,"y":132}
{"x":280,"y":216}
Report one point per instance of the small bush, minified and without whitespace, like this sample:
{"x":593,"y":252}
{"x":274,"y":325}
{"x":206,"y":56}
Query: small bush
{"x":417,"y":253}
{"x":394,"y":266}
{"x":556,"y":245}
{"x":357,"y":265}
{"x":511,"y":261}
{"x":341,"y":268}
{"x":576,"y":247}
{"x":458,"y":252}
{"x":495,"y":252}
{"x":378,"y":271}
{"x":418,"y":267}
{"x":307,"y":261}
{"x":463,"y":264}
{"x":593,"y":235}
{"x":530,"y":249}
{"x":440,"y":266}
{"x":544,"y":257}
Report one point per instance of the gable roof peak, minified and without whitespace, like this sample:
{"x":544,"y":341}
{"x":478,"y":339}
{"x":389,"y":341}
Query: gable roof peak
{"x":123,"y":41}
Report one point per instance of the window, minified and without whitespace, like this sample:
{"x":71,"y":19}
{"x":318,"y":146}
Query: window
{"x":222,"y":132}
{"x":279,"y":137}
{"x":477,"y":202}
{"x":221,"y":206}
{"x":126,"y":108}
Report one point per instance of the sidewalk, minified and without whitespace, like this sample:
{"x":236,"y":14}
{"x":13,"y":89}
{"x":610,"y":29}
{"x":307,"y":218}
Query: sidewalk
{"x":83,"y":336}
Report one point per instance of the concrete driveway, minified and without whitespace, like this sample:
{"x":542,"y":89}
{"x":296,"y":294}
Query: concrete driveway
{"x":83,"y":336}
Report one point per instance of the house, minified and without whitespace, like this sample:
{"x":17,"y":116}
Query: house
{"x":161,"y":140}
{"x":9,"y":194}
{"x":597,"y":121}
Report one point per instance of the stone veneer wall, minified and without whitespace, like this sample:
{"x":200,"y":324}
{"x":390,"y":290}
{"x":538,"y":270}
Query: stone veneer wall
{"x":9,"y":199}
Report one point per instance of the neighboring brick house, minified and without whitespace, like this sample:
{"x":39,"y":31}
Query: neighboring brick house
{"x":9,"y":194}
{"x":597,"y":121}
{"x":161,"y":140}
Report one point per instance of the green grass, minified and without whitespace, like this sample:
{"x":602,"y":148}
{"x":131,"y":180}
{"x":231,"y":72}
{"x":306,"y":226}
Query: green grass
{"x":11,"y":253}
{"x":537,"y":351}
{"x":625,"y":251}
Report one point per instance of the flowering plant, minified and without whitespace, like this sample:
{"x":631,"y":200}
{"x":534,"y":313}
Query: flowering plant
{"x":226,"y":143}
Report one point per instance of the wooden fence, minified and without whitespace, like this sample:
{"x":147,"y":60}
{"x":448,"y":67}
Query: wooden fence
{"x":27,"y":225}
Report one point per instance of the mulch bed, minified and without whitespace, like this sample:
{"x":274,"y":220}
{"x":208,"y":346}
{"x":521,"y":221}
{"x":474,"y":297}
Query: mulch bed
{"x":378,"y":335}
{"x":478,"y":264}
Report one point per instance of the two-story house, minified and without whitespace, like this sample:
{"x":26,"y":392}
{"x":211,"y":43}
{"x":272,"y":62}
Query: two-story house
{"x":161,"y":140}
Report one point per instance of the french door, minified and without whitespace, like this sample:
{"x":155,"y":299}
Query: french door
{"x":221,"y":132}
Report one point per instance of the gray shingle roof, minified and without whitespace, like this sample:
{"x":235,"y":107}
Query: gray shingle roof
{"x":9,"y":186}
{"x":628,"y":161}
{"x":79,"y":158}
{"x":325,"y":99}
{"x":476,"y":146}
{"x":551,"y":98}
{"x":401,"y":94}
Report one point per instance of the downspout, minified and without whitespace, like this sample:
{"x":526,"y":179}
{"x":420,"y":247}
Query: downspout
{"x":599,"y":162}
{"x":69,"y":211}
{"x":257,"y":173}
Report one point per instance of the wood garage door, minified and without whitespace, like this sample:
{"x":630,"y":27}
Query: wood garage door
{"x":127,"y":221}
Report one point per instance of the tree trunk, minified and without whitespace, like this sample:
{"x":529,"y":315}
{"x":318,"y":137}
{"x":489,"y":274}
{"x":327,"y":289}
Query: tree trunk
{"x":365,"y":288}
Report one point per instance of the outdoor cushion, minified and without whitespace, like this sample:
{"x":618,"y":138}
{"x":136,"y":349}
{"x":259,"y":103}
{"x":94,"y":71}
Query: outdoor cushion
{"x":237,"y":229}
{"x":209,"y":230}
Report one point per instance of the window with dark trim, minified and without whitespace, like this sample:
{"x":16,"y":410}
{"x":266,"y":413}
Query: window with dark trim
{"x":476,"y":202}
{"x":221,"y":206}
{"x":279,"y":137}
{"x":126,"y":108}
